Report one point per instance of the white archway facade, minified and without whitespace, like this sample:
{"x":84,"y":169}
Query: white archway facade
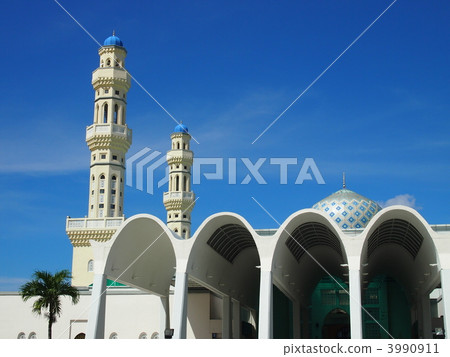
{"x":228,"y":257}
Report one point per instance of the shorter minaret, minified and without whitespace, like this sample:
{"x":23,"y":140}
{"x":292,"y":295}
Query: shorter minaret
{"x":179,"y":201}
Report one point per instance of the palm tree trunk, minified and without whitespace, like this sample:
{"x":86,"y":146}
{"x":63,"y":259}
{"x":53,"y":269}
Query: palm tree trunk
{"x":50,"y":323}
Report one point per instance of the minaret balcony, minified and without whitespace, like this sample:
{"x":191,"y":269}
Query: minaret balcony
{"x":178,"y":155}
{"x":110,"y":76}
{"x":168,"y":196}
{"x":108,"y":129}
{"x":73,"y":224}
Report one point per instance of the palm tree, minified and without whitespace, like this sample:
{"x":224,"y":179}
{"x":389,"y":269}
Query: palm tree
{"x":48,"y":288}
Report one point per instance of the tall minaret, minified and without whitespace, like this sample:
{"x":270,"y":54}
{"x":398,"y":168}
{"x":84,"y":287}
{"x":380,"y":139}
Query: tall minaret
{"x":179,"y":201}
{"x":109,"y":138}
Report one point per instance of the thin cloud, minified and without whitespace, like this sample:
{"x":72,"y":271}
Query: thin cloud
{"x":404,"y":200}
{"x":11,"y":284}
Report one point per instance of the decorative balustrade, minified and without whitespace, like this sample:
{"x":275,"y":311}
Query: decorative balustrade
{"x":115,"y":129}
{"x":178,"y":195}
{"x":93,"y":223}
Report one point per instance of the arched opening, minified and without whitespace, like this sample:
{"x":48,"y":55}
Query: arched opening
{"x":184,"y":183}
{"x":177,"y":183}
{"x":108,"y":63}
{"x":224,"y":264}
{"x":116,"y":114}
{"x":178,"y":145}
{"x":310,"y":269}
{"x":105,"y":113}
{"x":336,"y":324}
{"x":80,"y":336}
{"x":32,"y":336}
{"x":398,"y":260}
{"x":90,"y":266}
{"x":102,"y":181}
{"x":122,"y":115}
{"x":330,"y":294}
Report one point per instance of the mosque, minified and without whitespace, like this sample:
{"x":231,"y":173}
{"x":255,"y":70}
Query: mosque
{"x":345,"y":268}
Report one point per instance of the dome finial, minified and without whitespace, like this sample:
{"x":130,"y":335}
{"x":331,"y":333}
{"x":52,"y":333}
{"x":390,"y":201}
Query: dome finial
{"x":343,"y":180}
{"x":114,"y":32}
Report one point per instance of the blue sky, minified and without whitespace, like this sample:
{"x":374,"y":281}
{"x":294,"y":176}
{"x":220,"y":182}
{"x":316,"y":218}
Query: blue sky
{"x":227,"y":69}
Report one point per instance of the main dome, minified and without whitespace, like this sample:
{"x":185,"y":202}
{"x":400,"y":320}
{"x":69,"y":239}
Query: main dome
{"x":348,"y":209}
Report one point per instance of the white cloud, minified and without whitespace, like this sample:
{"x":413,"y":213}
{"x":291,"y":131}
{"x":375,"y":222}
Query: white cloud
{"x":404,"y":200}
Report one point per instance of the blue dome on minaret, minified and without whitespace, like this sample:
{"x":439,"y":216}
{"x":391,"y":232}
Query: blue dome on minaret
{"x":113,"y":41}
{"x":181,"y":128}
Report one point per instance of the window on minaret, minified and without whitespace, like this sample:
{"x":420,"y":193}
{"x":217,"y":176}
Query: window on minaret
{"x":116,"y":113}
{"x":184,"y":183}
{"x":108,"y":62}
{"x":177,"y":183}
{"x":113,"y":183}
{"x":184,"y":233}
{"x":102,"y":181}
{"x":105,"y":113}
{"x":184,"y":146}
{"x":90,"y":266}
{"x":178,"y":145}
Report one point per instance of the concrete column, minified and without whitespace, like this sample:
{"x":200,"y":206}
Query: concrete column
{"x":164,"y":321}
{"x":296,"y":319}
{"x":226,"y":316}
{"x":445,"y":285}
{"x":265,"y":326}
{"x":355,"y":304}
{"x":236,"y":324}
{"x":96,"y":321}
{"x":180,"y":305}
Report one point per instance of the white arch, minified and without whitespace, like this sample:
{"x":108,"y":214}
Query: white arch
{"x":210,"y":268}
{"x":141,"y":254}
{"x":288,"y":273}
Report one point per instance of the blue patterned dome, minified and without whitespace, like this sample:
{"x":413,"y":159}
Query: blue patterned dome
{"x":181,"y":128}
{"x":113,"y":41}
{"x":348,"y":209}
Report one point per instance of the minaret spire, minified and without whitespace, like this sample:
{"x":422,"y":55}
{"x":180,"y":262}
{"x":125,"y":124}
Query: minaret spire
{"x":343,"y":180}
{"x":179,"y":200}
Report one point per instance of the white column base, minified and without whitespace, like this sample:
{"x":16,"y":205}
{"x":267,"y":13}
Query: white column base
{"x":96,"y":321}
{"x":164,"y":321}
{"x":355,"y":304}
{"x":265,"y":326}
{"x":180,"y":305}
